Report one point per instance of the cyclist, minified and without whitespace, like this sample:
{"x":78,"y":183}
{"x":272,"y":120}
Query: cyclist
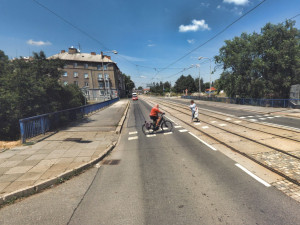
{"x":154,"y":115}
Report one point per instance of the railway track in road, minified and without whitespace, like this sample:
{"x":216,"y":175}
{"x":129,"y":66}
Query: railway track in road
{"x":257,"y":135}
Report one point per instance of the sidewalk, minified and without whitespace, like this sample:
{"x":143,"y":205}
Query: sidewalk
{"x":25,"y":170}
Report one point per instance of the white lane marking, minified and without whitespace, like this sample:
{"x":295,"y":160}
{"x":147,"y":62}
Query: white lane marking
{"x":177,"y":126}
{"x":228,"y":118}
{"x":258,"y":115}
{"x":266,"y":115}
{"x":205,"y":127}
{"x":150,"y":135}
{"x":168,"y":133}
{"x":97,"y":165}
{"x":242,"y":117}
{"x":250,"y":116}
{"x":277,"y":116}
{"x":184,"y":130}
{"x":237,"y":121}
{"x":197,"y":123}
{"x":133,"y":138}
{"x":270,"y":117}
{"x":213,"y":121}
{"x":252,"y":175}
{"x":262,"y":118}
{"x":208,"y":145}
{"x":134,"y":132}
{"x":253,"y":120}
{"x":165,"y":128}
{"x":277,"y":125}
{"x":222,"y":125}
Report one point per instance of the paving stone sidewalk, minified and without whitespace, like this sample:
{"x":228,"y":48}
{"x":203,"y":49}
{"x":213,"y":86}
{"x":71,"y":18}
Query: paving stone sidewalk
{"x":27,"y":169}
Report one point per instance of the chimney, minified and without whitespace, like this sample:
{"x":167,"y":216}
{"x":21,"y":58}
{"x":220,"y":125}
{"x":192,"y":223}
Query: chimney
{"x":101,"y":55}
{"x":93,"y":53}
{"x":62,"y":51}
{"x":72,"y":50}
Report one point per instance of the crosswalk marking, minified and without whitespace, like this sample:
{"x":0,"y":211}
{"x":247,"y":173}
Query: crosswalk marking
{"x":197,"y":123}
{"x":184,"y":130}
{"x":133,"y":138}
{"x":151,"y":135}
{"x":237,"y":121}
{"x":205,"y":127}
{"x":222,"y":124}
{"x":177,"y":126}
{"x":168,"y":133}
{"x":134,"y":132}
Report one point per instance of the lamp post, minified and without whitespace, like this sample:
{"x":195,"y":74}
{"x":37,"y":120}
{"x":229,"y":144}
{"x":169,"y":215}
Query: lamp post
{"x":105,"y":91}
{"x":209,"y":72}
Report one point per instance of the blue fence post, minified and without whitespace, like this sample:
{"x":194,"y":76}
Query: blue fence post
{"x":22,"y":131}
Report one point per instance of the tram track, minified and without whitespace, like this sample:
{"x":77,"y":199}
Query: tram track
{"x":177,"y":108}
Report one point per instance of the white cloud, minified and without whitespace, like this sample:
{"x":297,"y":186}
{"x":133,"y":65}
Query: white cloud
{"x":142,"y":76}
{"x":191,"y":41}
{"x":195,"y":26}
{"x":151,"y":45}
{"x":237,"y":2}
{"x":38,"y":43}
{"x":218,"y":7}
{"x":205,"y":4}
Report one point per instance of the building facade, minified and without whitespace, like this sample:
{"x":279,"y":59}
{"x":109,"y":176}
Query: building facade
{"x":96,"y":74}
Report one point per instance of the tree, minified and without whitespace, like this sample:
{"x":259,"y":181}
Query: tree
{"x":129,"y":84}
{"x":183,"y":83}
{"x":30,"y":88}
{"x":261,"y":65}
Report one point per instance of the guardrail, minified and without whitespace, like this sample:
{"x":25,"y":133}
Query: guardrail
{"x":279,"y":103}
{"x":36,"y":125}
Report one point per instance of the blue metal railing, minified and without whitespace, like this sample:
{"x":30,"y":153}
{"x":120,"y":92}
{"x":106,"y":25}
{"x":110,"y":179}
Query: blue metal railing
{"x":277,"y":103}
{"x":36,"y":125}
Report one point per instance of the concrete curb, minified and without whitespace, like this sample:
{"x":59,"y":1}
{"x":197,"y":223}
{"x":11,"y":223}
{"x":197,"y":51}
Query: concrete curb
{"x":120,"y":125}
{"x":50,"y":182}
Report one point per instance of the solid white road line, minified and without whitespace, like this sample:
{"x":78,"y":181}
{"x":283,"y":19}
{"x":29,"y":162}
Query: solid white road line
{"x":252,"y":175}
{"x":134,"y":132}
{"x":132,"y":138}
{"x":211,"y":147}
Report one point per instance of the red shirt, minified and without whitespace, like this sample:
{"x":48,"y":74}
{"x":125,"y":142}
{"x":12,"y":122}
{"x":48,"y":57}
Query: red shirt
{"x":154,"y":111}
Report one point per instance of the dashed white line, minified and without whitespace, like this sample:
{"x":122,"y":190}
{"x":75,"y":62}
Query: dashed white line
{"x":242,"y":117}
{"x":270,"y":117}
{"x":134,"y":132}
{"x":177,"y":126}
{"x":253,"y":120}
{"x":228,"y":118}
{"x":262,"y":118}
{"x":213,"y":121}
{"x":222,"y":125}
{"x":168,"y":133}
{"x":208,"y":145}
{"x":150,"y":135}
{"x":252,"y":175}
{"x":197,"y":123}
{"x":237,"y":121}
{"x":205,"y":127}
{"x":133,"y":138}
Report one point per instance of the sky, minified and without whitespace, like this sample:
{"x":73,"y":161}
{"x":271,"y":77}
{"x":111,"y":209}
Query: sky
{"x":156,"y":40}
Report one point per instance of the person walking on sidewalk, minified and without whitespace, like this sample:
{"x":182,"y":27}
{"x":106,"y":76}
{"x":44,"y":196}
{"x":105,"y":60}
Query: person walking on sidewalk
{"x":154,"y":115}
{"x":194,"y":110}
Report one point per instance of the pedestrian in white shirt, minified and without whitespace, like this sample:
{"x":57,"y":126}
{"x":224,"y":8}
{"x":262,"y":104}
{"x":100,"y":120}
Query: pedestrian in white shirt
{"x":194,"y":110}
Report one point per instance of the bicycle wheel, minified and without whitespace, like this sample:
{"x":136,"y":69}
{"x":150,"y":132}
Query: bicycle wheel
{"x":148,"y":131}
{"x":167,"y":126}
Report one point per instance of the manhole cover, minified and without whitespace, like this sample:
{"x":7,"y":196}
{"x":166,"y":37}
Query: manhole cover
{"x":111,"y":162}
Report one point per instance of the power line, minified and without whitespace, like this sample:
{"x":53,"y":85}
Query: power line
{"x":216,"y":35}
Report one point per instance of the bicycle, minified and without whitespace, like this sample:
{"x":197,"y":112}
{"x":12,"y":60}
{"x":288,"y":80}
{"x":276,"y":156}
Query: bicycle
{"x":163,"y":124}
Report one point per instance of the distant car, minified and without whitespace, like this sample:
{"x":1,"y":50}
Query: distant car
{"x":134,"y":97}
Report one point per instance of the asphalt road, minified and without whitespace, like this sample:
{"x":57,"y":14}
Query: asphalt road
{"x":164,"y":179}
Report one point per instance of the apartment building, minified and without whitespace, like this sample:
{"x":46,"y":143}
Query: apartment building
{"x":96,"y":74}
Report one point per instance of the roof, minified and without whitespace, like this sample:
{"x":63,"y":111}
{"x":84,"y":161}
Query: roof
{"x":84,"y":57}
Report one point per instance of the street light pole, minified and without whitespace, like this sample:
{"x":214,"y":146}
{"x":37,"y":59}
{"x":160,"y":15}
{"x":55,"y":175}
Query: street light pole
{"x":209,"y":72}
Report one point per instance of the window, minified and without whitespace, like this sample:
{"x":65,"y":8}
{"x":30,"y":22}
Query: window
{"x":75,"y":65}
{"x":75,"y":74}
{"x":65,"y":83}
{"x":86,"y":75}
{"x":76,"y":83}
{"x":100,"y":85}
{"x":86,"y":66}
{"x":100,"y":76}
{"x":107,"y":84}
{"x":86,"y":84}
{"x":65,"y":74}
{"x":98,"y":67}
{"x":105,"y":67}
{"x":106,"y":76}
